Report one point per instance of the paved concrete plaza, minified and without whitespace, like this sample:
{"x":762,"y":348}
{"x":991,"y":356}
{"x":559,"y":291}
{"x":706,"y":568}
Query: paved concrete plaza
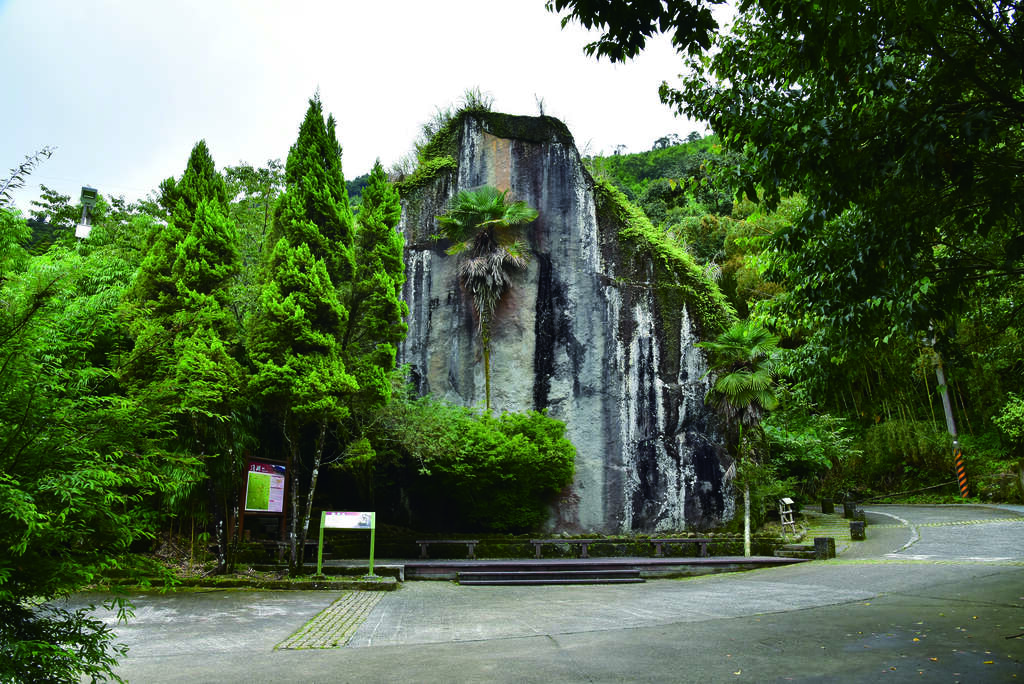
{"x":934,"y":594}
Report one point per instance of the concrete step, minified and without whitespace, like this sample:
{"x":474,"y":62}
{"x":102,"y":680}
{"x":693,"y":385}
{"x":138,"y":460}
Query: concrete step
{"x":541,"y":574}
{"x":539,"y":582}
{"x":795,"y":551}
{"x":550,"y":577}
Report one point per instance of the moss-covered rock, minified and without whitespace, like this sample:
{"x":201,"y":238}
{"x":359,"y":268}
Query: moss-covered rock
{"x":649,"y":257}
{"x":425,"y":174}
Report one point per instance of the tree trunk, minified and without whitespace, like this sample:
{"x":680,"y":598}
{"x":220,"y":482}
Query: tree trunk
{"x":485,"y":340}
{"x":746,"y":520}
{"x":236,"y":531}
{"x":217,"y":511}
{"x":293,"y":527}
{"x":293,"y":496}
{"x":1020,"y":477}
{"x":221,"y":532}
{"x":231,"y":532}
{"x":313,"y":475}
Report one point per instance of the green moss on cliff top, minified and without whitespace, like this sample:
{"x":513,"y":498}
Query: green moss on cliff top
{"x":535,"y":129}
{"x":677,"y":279}
{"x":439,"y":154}
{"x":425,"y":173}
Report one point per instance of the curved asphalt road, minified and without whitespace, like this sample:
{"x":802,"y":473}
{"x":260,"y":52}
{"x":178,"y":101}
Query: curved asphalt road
{"x":936,"y":593}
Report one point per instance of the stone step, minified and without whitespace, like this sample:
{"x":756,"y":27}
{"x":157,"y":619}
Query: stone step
{"x":542,"y":574}
{"x":539,"y":582}
{"x":550,"y":577}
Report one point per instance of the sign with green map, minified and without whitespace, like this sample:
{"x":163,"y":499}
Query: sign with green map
{"x":264,"y":488}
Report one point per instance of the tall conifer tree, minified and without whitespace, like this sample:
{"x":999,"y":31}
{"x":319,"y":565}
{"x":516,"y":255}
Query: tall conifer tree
{"x":376,"y":311}
{"x":186,"y":341}
{"x":295,"y":335}
{"x":330,"y":314}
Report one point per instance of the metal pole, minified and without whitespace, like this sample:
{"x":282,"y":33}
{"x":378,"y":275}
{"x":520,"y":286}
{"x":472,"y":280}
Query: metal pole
{"x":373,"y":532}
{"x":320,"y":547}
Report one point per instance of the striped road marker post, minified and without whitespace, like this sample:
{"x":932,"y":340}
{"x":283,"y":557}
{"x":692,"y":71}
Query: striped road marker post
{"x":961,"y":474}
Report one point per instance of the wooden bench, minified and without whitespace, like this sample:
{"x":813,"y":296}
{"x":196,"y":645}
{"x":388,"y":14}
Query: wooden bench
{"x":659,"y":544}
{"x":470,"y":544}
{"x":582,"y":543}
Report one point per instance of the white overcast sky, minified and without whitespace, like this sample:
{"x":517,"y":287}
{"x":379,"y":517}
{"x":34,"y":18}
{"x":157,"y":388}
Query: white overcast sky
{"x":124,"y":89}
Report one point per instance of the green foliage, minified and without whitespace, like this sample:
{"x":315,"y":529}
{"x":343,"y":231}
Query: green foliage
{"x":178,"y":306}
{"x":55,"y":208}
{"x":426,"y":172}
{"x":184,"y":361}
{"x":354,"y":188}
{"x":53,"y":218}
{"x":19,"y":173}
{"x":749,"y":257}
{"x":742,"y":361}
{"x":481,"y":225}
{"x":678,"y":280}
{"x":627,"y":26}
{"x":1010,"y":420}
{"x":78,"y":459}
{"x":181,"y":198}
{"x":683,"y":168}
{"x":471,"y":470}
{"x":903,"y":454}
{"x":294,"y":337}
{"x":995,"y":473}
{"x":375,"y":323}
{"x":808,"y":448}
{"x":438,"y":135}
{"x":765,"y":482}
{"x":314,"y":209}
{"x":914,"y":106}
{"x":679,"y":188}
{"x":13,"y":233}
{"x":50,"y":644}
{"x":253,"y":192}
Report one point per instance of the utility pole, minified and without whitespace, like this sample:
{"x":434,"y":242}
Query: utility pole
{"x":947,"y":406}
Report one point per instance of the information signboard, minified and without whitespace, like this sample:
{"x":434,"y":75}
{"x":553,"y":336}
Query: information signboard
{"x":348,"y":520}
{"x":345,"y":520}
{"x":264,"y":487}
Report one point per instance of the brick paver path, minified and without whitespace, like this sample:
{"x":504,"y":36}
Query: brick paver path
{"x":334,"y":625}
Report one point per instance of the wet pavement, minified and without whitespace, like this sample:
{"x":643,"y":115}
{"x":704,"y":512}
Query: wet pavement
{"x":936,"y":593}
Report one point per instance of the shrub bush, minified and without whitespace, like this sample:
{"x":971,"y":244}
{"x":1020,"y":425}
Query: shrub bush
{"x":467,"y":470}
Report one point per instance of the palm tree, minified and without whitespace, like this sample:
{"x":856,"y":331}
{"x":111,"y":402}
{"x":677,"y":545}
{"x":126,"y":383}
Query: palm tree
{"x":480,"y":223}
{"x":744,"y":391}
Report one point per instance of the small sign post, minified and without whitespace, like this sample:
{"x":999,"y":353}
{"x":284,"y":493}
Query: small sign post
{"x":786,"y":515}
{"x":345,"y":520}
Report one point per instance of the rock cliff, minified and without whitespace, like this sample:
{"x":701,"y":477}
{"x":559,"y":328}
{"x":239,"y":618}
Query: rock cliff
{"x":599,"y":329}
